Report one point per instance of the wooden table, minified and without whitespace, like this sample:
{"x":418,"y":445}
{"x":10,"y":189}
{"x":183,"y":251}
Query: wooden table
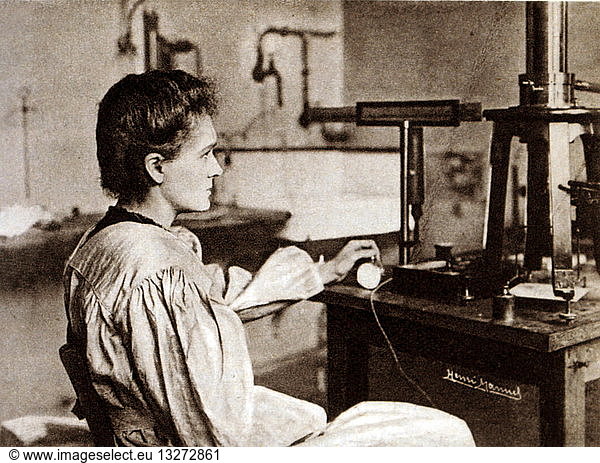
{"x":536,"y":349}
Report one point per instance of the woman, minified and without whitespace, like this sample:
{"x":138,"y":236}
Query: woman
{"x":162,"y":333}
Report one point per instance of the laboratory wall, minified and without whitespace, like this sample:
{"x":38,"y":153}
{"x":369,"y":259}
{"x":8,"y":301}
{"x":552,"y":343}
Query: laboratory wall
{"x":59,"y":57}
{"x":56,"y":60}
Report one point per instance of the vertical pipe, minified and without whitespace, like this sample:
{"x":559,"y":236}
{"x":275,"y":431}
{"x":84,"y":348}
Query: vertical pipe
{"x":150,"y":22}
{"x":564,"y":38}
{"x":546,"y":40}
{"x":305,"y":73}
{"x":25,"y":124}
{"x":547,"y":81}
{"x":535,"y":41}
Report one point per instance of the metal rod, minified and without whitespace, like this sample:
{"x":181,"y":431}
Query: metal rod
{"x":587,"y":86}
{"x":394,"y":113}
{"x":404,"y":255}
{"x":416,"y":177}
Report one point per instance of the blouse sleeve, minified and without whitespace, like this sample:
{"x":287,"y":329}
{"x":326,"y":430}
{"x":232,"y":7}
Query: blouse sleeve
{"x":288,"y":275}
{"x":192,"y":361}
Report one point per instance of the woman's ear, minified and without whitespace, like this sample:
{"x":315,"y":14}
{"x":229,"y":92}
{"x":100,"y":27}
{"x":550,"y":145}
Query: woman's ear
{"x":153,"y":164}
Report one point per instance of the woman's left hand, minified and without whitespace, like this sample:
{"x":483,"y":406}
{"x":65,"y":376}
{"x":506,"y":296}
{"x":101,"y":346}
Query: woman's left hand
{"x":338,"y":268}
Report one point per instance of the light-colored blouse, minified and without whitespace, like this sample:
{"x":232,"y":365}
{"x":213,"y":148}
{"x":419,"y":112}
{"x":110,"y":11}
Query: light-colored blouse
{"x":165,"y":344}
{"x":167,"y":351}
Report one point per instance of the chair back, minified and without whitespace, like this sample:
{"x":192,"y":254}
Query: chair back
{"x":88,"y":405}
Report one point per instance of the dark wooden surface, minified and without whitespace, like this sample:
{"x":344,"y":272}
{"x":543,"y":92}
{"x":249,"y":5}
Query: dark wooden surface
{"x":534,"y":329}
{"x":537,"y":349}
{"x":228,"y":216}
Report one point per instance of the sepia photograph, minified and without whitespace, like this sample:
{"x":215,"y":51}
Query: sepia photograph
{"x":299,"y":223}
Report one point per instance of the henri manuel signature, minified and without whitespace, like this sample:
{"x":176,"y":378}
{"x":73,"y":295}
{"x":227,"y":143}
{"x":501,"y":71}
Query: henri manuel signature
{"x":481,"y":384}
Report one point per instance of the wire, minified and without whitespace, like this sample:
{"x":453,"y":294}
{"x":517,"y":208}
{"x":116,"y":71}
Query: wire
{"x":391,"y":347}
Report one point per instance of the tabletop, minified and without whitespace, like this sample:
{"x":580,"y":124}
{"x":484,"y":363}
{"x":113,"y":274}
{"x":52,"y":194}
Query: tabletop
{"x":540,"y":330}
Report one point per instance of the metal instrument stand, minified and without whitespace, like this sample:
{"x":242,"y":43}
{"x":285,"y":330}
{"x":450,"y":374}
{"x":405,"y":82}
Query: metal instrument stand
{"x":547,"y":119}
{"x":547,"y":133}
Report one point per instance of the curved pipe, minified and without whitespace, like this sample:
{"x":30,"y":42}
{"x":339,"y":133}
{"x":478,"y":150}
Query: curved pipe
{"x":124,"y":43}
{"x":259,"y":73}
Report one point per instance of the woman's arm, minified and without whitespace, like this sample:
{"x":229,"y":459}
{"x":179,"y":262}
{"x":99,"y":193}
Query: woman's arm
{"x":290,"y":275}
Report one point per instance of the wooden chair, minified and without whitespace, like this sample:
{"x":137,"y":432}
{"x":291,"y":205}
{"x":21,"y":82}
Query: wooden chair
{"x":89,"y":404}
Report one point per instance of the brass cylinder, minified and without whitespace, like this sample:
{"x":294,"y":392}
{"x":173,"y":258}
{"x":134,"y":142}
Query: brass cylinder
{"x":503,"y":308}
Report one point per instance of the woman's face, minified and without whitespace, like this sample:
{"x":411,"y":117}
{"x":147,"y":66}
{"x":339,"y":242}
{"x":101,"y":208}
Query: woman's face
{"x":188,"y":179}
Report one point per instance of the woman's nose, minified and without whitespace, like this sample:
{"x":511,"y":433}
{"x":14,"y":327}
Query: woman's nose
{"x":214,"y":169}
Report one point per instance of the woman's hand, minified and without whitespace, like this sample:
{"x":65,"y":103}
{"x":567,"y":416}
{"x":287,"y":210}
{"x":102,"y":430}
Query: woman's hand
{"x":337,"y":268}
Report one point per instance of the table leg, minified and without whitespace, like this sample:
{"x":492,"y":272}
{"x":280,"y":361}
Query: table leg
{"x":499,"y":160}
{"x":560,"y":208}
{"x":347,"y":362}
{"x":562,"y":401}
{"x":538,"y":239}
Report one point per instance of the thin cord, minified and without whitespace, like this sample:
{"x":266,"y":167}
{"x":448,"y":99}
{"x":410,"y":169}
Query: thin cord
{"x":391,"y":347}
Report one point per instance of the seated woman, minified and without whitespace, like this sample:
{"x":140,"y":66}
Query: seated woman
{"x":161,"y":331}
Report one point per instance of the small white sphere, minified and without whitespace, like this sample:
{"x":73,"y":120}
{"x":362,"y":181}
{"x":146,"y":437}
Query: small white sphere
{"x":368,"y":275}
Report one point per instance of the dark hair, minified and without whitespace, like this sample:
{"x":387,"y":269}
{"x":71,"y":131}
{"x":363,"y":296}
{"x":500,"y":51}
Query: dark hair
{"x":142,"y":114}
